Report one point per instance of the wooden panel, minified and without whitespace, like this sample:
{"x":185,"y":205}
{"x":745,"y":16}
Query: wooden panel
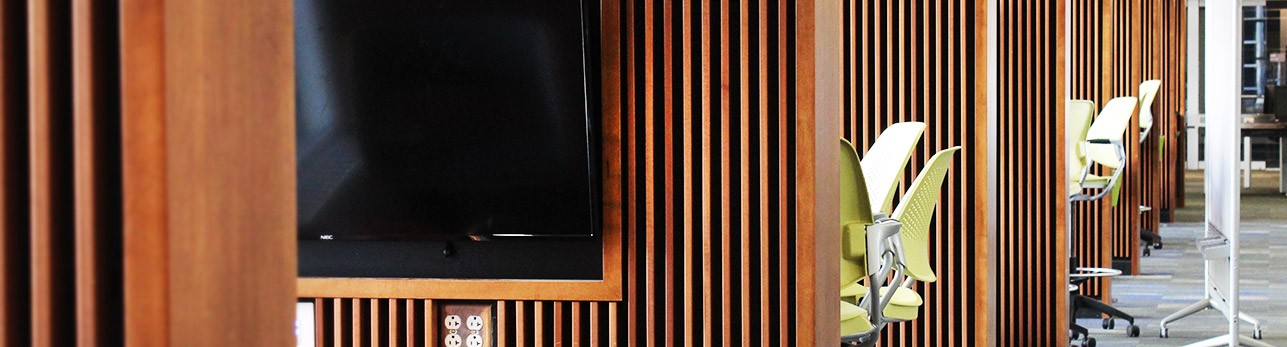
{"x":1032,"y":250}
{"x":926,"y":61}
{"x":216,"y":238}
{"x":713,"y":112}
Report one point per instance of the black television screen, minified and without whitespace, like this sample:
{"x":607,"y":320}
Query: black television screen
{"x":446,"y":119}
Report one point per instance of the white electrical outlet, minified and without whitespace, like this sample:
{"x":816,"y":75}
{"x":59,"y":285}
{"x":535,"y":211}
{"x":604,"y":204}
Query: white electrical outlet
{"x":452,"y":322}
{"x":474,"y":340}
{"x":474,"y":323}
{"x":453,"y":340}
{"x":471,"y":322}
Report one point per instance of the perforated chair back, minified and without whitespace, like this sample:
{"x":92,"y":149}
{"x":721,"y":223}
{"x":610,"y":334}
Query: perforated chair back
{"x":1148,"y":92}
{"x":855,"y":215}
{"x":916,"y":212}
{"x":1110,"y":125}
{"x":1080,"y":113}
{"x":886,"y":159}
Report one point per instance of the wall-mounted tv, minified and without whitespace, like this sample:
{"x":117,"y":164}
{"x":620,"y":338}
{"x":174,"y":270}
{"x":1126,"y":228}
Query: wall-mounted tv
{"x":446,"y":120}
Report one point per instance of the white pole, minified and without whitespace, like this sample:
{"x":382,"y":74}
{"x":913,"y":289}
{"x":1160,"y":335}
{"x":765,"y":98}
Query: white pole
{"x":1223,"y":107}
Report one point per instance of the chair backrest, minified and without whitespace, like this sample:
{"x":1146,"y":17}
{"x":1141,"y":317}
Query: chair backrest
{"x":1148,"y":92}
{"x":855,"y":215}
{"x":886,"y":159}
{"x":916,"y":211}
{"x":1080,"y":113}
{"x":1110,"y":125}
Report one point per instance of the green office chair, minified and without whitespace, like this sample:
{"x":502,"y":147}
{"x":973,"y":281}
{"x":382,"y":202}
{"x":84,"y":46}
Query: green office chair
{"x":1148,"y":93}
{"x":885,"y":161}
{"x":862,"y":250}
{"x":915,"y":212}
{"x":1101,"y":146}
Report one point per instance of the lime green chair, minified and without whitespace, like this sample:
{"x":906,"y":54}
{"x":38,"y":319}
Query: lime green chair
{"x":1079,"y":114}
{"x":862,"y":248}
{"x":885,"y":161}
{"x":1101,"y":146}
{"x":855,"y":217}
{"x":1148,"y":92}
{"x":915,"y":212}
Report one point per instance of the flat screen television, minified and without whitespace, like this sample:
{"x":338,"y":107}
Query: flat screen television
{"x":446,"y":120}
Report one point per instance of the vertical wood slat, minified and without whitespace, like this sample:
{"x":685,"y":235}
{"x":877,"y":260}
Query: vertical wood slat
{"x":52,"y":278}
{"x":95,"y":159}
{"x":85,"y":180}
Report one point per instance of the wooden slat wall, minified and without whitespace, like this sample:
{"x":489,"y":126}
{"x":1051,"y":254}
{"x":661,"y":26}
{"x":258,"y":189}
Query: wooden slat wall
{"x":708,"y":97}
{"x":61,"y":178}
{"x":925,"y":61}
{"x":1032,"y":249}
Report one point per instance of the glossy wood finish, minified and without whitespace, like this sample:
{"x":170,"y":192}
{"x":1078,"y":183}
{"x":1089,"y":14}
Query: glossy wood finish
{"x":717,"y":119}
{"x":1032,"y":247}
{"x":926,"y":61}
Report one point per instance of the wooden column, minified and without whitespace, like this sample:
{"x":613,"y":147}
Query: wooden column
{"x":209,"y":177}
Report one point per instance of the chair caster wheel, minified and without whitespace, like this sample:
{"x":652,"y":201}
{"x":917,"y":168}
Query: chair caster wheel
{"x":1163,"y":334}
{"x":1090,"y":342}
{"x":1255,"y":334}
{"x":1133,"y":331}
{"x":1147,"y":252}
{"x":1157,"y":245}
{"x":1107,"y":323}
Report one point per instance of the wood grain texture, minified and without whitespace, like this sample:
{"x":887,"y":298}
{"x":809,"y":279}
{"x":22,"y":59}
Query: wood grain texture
{"x":146,"y":265}
{"x":217,"y":236}
{"x":705,"y":100}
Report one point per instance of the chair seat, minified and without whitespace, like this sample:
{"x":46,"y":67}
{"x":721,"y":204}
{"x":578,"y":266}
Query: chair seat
{"x":1093,"y":181}
{"x":853,"y":319}
{"x":905,"y":305}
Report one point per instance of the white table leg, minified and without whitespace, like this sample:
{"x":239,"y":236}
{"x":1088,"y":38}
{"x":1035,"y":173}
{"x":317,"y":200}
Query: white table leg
{"x":1246,"y":162}
{"x":1282,"y":164}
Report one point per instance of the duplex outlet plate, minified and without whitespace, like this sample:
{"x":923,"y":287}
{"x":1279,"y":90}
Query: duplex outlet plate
{"x":467,"y":323}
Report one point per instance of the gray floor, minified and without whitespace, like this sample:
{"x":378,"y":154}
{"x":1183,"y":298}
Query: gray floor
{"x":1172,"y":277}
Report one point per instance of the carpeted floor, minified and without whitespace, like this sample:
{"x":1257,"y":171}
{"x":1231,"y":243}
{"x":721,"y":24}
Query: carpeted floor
{"x":1172,"y":278}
